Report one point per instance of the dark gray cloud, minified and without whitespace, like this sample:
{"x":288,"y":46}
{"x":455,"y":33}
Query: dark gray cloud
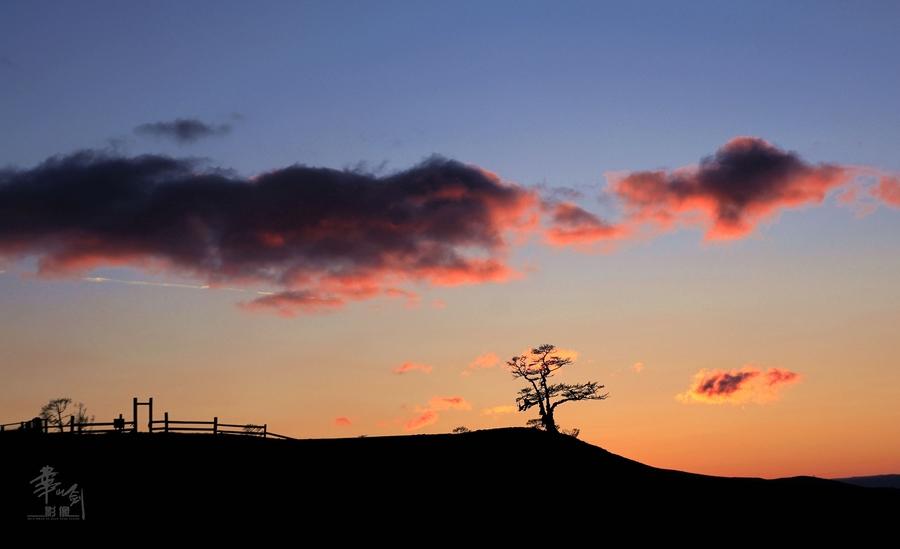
{"x":324,"y":236}
{"x":724,"y":383}
{"x":183,"y":130}
{"x":558,"y":192}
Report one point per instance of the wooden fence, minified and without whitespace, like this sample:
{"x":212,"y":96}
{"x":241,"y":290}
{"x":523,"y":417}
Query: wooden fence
{"x":215,"y":427}
{"x":165,"y":425}
{"x":42,"y":425}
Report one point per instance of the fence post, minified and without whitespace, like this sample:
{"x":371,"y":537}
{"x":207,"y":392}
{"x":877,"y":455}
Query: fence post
{"x":215,"y":425}
{"x":71,"y":424}
{"x":46,"y":425}
{"x":134,"y":417}
{"x":265,"y":430}
{"x":166,"y":427}
{"x":150,"y":413}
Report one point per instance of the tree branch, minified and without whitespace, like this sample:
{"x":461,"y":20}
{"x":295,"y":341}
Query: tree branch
{"x":579,"y":391}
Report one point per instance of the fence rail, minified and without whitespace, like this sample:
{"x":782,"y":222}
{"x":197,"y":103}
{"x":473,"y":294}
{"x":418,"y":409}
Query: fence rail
{"x":165,"y":425}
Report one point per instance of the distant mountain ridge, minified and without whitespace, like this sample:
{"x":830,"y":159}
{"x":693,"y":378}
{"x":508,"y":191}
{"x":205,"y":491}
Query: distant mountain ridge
{"x":874,"y":481}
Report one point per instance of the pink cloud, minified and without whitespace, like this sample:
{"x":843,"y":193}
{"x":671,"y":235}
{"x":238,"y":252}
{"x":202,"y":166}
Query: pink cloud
{"x":449,"y":403}
{"x":638,"y":367}
{"x":572,"y":225}
{"x":423,"y":419}
{"x":570,"y":354}
{"x":412,"y":299}
{"x":407,"y":367}
{"x":292,"y":303}
{"x":482,"y":362}
{"x":429,"y":414}
{"x":745,"y":182}
{"x":502,"y":409}
{"x":747,"y":384}
{"x":342,"y":421}
{"x":775,"y":376}
{"x":888,"y":191}
{"x":486,"y":360}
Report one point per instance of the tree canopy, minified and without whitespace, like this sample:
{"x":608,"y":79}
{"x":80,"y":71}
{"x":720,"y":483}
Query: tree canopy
{"x":56,"y":412}
{"x":536,"y":368}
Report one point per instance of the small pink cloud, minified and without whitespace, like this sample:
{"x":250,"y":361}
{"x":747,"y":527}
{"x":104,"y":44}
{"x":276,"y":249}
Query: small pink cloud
{"x":572,"y":225}
{"x":412,"y":299}
{"x":775,"y":376}
{"x":342,"y":421}
{"x":852,"y":196}
{"x":888,"y":191}
{"x":292,"y":303}
{"x":502,"y":409}
{"x":638,"y":367}
{"x":425,"y":418}
{"x":487,"y":360}
{"x":482,"y":362}
{"x":449,"y":403}
{"x":565,"y":354}
{"x":747,"y":384}
{"x":407,"y":367}
{"x":429,"y":414}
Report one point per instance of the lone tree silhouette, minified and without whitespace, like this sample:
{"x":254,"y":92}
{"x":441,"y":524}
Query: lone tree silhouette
{"x":535,"y":369}
{"x":54,"y":413}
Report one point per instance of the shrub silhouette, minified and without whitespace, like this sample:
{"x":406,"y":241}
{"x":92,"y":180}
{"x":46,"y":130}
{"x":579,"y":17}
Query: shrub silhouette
{"x":54,"y":413}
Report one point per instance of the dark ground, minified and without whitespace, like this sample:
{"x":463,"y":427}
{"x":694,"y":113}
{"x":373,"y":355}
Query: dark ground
{"x":504,"y":476}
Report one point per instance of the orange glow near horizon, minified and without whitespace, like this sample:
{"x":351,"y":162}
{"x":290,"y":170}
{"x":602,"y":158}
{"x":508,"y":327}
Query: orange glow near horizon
{"x":790,"y":332}
{"x":841,"y":420}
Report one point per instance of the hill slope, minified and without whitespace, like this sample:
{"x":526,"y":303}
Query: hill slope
{"x":874,"y":481}
{"x":510,"y":474}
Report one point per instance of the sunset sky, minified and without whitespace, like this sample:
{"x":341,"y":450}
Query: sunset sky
{"x":342,"y":218}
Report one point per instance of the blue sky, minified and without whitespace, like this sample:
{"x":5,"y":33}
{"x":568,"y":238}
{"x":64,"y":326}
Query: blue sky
{"x":536,"y":92}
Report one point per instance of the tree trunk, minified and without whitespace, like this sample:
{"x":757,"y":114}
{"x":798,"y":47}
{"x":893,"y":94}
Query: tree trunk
{"x":549,"y":422}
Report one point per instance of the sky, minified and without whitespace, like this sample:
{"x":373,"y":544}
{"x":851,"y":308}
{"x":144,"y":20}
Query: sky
{"x":342,"y":219}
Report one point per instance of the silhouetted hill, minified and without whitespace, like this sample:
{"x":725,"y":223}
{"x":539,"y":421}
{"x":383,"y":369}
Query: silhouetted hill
{"x":493,"y":475}
{"x":874,"y":481}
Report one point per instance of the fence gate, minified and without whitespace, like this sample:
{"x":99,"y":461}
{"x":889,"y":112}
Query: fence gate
{"x":134,"y":417}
